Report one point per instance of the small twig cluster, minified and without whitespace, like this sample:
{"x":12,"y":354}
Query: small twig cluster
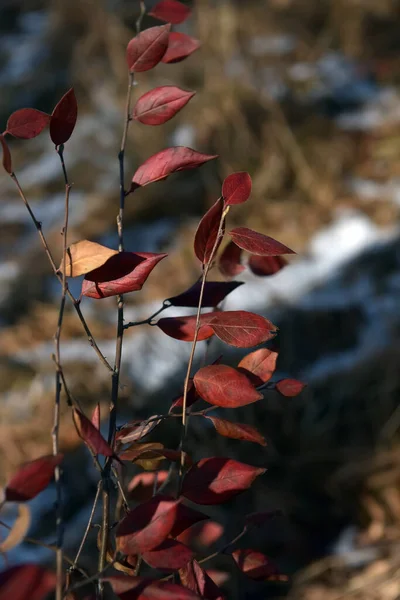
{"x":152,"y":531}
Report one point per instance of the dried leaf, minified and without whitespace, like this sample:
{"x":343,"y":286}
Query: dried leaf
{"x":237,"y":431}
{"x":18,"y":531}
{"x":236,"y":188}
{"x":168,"y":161}
{"x":264,"y":266}
{"x":96,"y":417}
{"x":290,"y":387}
{"x":136,"y":430}
{"x":207,"y":232}
{"x":216,"y":480}
{"x":63,"y":118}
{"x":229,"y":261}
{"x":197,"y":580}
{"x":124,"y":272}
{"x":26,"y":581}
{"x":180,"y":46}
{"x":257,"y":566}
{"x":214,"y":293}
{"x":7,"y":163}
{"x":161,"y":104}
{"x":147,"y":526}
{"x":169,"y":556}
{"x":147,"y":49}
{"x":27,"y":123}
{"x":139,"y":588}
{"x":90,"y":435}
{"x":170,"y":11}
{"x":85,"y":256}
{"x":32,"y":478}
{"x":258,"y":243}
{"x":259,"y":366}
{"x":221,"y":385}
{"x":242,"y":329}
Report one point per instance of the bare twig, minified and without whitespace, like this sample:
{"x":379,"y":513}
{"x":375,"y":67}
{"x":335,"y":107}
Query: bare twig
{"x":147,"y":321}
{"x":88,"y":527}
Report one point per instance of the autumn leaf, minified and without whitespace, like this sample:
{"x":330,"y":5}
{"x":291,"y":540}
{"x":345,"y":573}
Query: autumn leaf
{"x":258,"y":243}
{"x":27,"y":123}
{"x":85,"y":256}
{"x":32,"y":478}
{"x":170,"y":11}
{"x":221,"y":385}
{"x":236,"y":188}
{"x":207,"y":232}
{"x":63,"y":118}
{"x":180,"y":46}
{"x":147,"y":49}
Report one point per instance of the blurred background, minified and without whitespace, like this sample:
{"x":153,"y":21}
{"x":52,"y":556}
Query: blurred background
{"x":303,"y":94}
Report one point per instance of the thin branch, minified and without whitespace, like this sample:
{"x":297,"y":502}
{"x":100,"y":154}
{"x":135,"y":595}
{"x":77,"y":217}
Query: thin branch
{"x":147,"y":321}
{"x":192,"y":352}
{"x":88,"y":527}
{"x":47,"y":250}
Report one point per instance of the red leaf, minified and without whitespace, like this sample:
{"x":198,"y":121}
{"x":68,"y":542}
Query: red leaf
{"x":186,"y":518}
{"x":136,"y":430}
{"x":237,"y":431}
{"x":290,"y":387}
{"x":257,"y":566}
{"x":216,"y":480}
{"x":236,"y":188}
{"x":207,"y":233}
{"x":242,"y":329}
{"x":26,"y":581}
{"x":27,"y":123}
{"x":224,"y":386}
{"x":139,"y":588}
{"x":168,"y":161}
{"x":147,"y":49}
{"x":63,"y":118}
{"x":204,"y":533}
{"x":141,"y":486}
{"x":7,"y":163}
{"x":263,"y":266}
{"x":197,"y":580}
{"x":90,"y":435}
{"x":161,"y":104}
{"x":214,"y":293}
{"x":171,"y":11}
{"x":183,"y":328}
{"x":122,"y":273}
{"x":259,"y":366}
{"x":180,"y":47}
{"x":147,"y":526}
{"x":191,"y":397}
{"x":96,"y":417}
{"x":32,"y":478}
{"x":258,"y":243}
{"x":169,"y":556}
{"x":229,"y":261}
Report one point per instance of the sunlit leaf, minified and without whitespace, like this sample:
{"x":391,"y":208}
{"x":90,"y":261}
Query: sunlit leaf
{"x":257,"y":566}
{"x":85,"y":256}
{"x":236,"y":188}
{"x":290,"y":387}
{"x":169,"y":556}
{"x":258,"y":243}
{"x":161,"y":104}
{"x":259,"y":366}
{"x":241,"y":328}
{"x":183,"y":328}
{"x":237,"y":431}
{"x":32,"y":478}
{"x":147,"y":49}
{"x":180,"y":46}
{"x":197,"y":580}
{"x":18,"y":530}
{"x":221,"y":385}
{"x":90,"y":434}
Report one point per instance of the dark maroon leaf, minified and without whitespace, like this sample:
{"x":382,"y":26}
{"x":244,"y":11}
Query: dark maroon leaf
{"x":27,"y":123}
{"x":26,"y":582}
{"x":229,"y":261}
{"x":122,"y":273}
{"x":180,"y":46}
{"x":214,"y":293}
{"x":259,"y":366}
{"x":237,"y":431}
{"x":161,"y":104}
{"x":168,"y":161}
{"x":257,"y":566}
{"x":290,"y":387}
{"x":264,"y":266}
{"x":7,"y":163}
{"x":147,"y":49}
{"x":32,"y":478}
{"x":90,"y":435}
{"x":207,"y":232}
{"x":63,"y":118}
{"x":169,"y":556}
{"x":147,"y":526}
{"x":183,"y":328}
{"x":191,"y":397}
{"x":224,"y":386}
{"x":197,"y":580}
{"x":205,"y":533}
{"x":139,"y":588}
{"x":186,"y":518}
{"x":170,"y":11}
{"x":236,"y":188}
{"x":242,"y":329}
{"x":216,"y":480}
{"x":258,"y":243}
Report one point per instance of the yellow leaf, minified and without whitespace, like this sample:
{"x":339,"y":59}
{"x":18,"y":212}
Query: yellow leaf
{"x":85,"y":256}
